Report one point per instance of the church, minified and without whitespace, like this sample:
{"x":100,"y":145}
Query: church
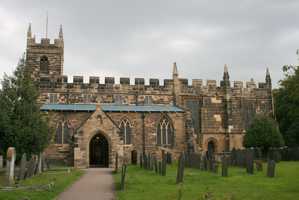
{"x":93,"y":123}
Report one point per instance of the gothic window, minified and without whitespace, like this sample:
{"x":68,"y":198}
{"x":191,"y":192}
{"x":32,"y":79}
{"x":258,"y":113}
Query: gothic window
{"x":125,"y":130}
{"x":62,"y":133}
{"x":165,"y":132}
{"x":44,"y":65}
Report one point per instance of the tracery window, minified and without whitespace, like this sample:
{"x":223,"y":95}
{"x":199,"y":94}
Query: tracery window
{"x":44,"y":65}
{"x":62,"y":133}
{"x":125,"y":130}
{"x":165,"y":132}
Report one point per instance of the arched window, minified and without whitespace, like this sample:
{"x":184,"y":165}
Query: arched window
{"x":125,"y":130}
{"x":62,"y":133}
{"x":44,"y":65}
{"x":165,"y":132}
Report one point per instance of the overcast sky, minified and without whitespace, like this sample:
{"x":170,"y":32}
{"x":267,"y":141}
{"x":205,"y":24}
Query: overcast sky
{"x":142,"y":38}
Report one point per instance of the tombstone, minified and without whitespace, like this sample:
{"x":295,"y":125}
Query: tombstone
{"x":140,"y":160}
{"x":163,"y":163}
{"x":215,"y":167}
{"x":160,"y":168}
{"x":168,"y":158}
{"x":116,"y":163}
{"x":123,"y":176}
{"x":22,"y":172}
{"x":271,"y":168}
{"x":1,"y":161}
{"x":144,"y":161}
{"x":249,"y":161}
{"x":31,"y":167}
{"x":39,"y":164}
{"x":156,"y":165}
{"x":205,"y":163}
{"x":180,"y":170}
{"x":259,"y":165}
{"x":11,"y":158}
{"x":233,"y":157}
{"x":224,"y":166}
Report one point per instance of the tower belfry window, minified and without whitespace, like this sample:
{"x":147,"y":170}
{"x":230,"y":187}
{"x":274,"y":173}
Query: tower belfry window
{"x":44,"y":65}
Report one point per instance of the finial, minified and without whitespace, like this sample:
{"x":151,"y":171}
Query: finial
{"x":60,"y":32}
{"x":29,"y":34}
{"x":225,"y":73}
{"x":267,"y":72}
{"x":225,"y":68}
{"x":47,"y":21}
{"x":174,"y":69}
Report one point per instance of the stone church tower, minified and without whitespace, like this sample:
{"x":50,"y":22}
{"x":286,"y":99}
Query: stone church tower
{"x":44,"y":60}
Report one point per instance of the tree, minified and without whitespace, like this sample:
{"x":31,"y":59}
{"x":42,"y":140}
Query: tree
{"x":22,"y":125}
{"x":263,"y":133}
{"x":286,"y":100}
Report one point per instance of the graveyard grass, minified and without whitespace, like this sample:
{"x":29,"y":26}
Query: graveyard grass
{"x":61,"y":178}
{"x":146,"y":185}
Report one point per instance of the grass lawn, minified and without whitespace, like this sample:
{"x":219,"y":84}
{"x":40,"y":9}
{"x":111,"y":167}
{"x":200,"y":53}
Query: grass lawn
{"x":142,"y":184}
{"x":61,"y":178}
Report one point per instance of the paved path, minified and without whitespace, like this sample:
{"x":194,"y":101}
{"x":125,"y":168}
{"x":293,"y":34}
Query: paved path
{"x":95,"y":184}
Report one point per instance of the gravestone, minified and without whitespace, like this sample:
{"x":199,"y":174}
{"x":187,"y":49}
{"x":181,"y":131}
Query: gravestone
{"x":160,"y":167}
{"x":31,"y":167}
{"x":224,"y":166}
{"x":11,"y":158}
{"x":123,"y":176}
{"x":163,"y":163}
{"x":140,"y":160}
{"x":259,"y":165}
{"x":180,"y":170}
{"x":144,"y":161}
{"x":1,"y":161}
{"x":116,"y":163}
{"x":23,"y":165}
{"x":249,"y":161}
{"x":168,"y":158}
{"x":215,"y":167}
{"x":205,"y":163}
{"x":271,"y":168}
{"x":39,"y":164}
{"x":44,"y":164}
{"x":156,"y":165}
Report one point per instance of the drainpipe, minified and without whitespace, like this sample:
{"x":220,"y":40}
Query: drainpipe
{"x":143,"y":134}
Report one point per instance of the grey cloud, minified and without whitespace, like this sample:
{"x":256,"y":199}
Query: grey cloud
{"x":142,"y":38}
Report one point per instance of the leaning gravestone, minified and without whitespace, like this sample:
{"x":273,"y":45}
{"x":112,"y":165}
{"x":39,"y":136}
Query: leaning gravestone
{"x":271,"y":168}
{"x":11,"y":158}
{"x":31,"y":167}
{"x":259,"y":165}
{"x":22,"y":172}
{"x":1,"y":161}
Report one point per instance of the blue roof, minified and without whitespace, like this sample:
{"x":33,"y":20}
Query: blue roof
{"x":110,"y":108}
{"x":140,"y":108}
{"x":69,"y":107}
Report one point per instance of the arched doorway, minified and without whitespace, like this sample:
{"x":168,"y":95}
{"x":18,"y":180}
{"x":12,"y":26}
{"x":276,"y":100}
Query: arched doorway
{"x":211,"y":150}
{"x":98,"y":151}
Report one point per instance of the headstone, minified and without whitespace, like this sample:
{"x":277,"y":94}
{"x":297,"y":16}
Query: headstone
{"x":249,"y":161}
{"x":163,"y":163}
{"x":140,"y":160}
{"x":215,"y":167}
{"x":23,"y":165}
{"x":224,"y":166}
{"x":156,"y":165}
{"x":259,"y":165}
{"x":180,"y":170}
{"x":271,"y":168}
{"x":11,"y":158}
{"x":168,"y":158}
{"x":123,"y":176}
{"x":1,"y":161}
{"x":39,"y":164}
{"x":144,"y":161}
{"x":205,"y":163}
{"x":31,"y":167}
{"x":160,"y":167}
{"x":116,"y":163}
